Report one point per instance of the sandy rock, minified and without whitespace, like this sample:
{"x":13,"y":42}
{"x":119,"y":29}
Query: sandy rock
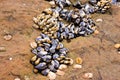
{"x":88,"y":75}
{"x":2,"y":49}
{"x":77,"y":66}
{"x":7,"y":37}
{"x":33,"y":44}
{"x":51,"y":75}
{"x":62,"y":66}
{"x":60,"y":73}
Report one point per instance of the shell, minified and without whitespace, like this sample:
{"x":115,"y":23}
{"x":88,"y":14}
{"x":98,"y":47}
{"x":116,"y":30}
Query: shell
{"x":55,"y":56}
{"x":41,"y":66}
{"x":34,"y":58}
{"x":42,"y":53}
{"x":48,"y":11}
{"x":33,"y":44}
{"x":51,"y":67}
{"x":37,"y":61}
{"x":77,"y":5}
{"x":79,"y":60}
{"x":45,"y":72}
{"x":34,"y":51}
{"x":47,"y":58}
{"x":35,"y":70}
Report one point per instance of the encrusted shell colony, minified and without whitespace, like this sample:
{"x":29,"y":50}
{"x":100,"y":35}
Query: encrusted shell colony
{"x":58,"y":23}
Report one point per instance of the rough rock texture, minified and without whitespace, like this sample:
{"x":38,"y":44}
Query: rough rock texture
{"x":97,"y":51}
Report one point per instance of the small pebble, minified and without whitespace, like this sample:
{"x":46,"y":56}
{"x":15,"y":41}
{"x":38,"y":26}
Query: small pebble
{"x":10,"y":58}
{"x":60,"y":73}
{"x":51,"y":76}
{"x":62,"y":66}
{"x":17,"y":79}
{"x":2,"y":49}
{"x":7,"y":37}
{"x":33,"y":44}
{"x":88,"y":75}
{"x":117,"y":46}
{"x":79,"y":60}
{"x":99,"y":20}
{"x":77,"y":66}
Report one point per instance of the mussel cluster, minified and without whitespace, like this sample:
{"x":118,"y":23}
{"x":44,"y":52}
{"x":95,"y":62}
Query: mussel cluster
{"x":58,"y":23}
{"x":49,"y":54}
{"x":101,"y":5}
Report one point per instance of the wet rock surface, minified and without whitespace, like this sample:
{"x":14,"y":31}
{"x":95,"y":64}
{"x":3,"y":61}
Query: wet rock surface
{"x":98,"y":49}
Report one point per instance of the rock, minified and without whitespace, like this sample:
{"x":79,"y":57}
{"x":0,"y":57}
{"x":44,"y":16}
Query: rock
{"x":7,"y":37}
{"x":2,"y":49}
{"x":88,"y":75}
{"x":51,"y":76}
{"x":117,"y":46}
{"x":62,"y":66}
{"x":60,"y":73}
{"x":77,"y":66}
{"x":99,"y":20}
{"x":79,"y":60}
{"x":33,"y":44}
{"x":17,"y":79}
